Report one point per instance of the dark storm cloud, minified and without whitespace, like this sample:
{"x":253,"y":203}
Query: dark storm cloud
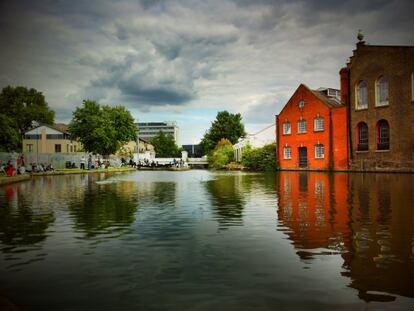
{"x":244,"y":56}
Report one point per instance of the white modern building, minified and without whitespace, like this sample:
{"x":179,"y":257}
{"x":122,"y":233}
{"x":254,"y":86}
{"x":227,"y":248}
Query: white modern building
{"x":147,"y":130}
{"x":256,"y":140}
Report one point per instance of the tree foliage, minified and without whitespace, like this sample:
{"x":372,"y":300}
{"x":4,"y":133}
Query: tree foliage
{"x":165,"y":146}
{"x":226,"y":125}
{"x":260,"y":159}
{"x":221,"y":155}
{"x":102,"y":129}
{"x":19,"y":107}
{"x":9,"y":135}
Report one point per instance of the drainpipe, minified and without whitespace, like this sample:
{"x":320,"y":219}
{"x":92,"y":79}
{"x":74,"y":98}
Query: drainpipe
{"x":331,"y":143}
{"x":277,"y":140}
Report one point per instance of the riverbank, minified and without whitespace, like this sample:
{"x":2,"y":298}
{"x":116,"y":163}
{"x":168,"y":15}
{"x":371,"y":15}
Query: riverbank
{"x":70,"y":171}
{"x":5,"y":180}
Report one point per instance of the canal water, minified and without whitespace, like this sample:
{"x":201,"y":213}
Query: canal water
{"x":201,"y":240}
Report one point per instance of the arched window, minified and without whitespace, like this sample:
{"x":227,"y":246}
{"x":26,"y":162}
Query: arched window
{"x":383,"y":135}
{"x":302,"y":126}
{"x":287,"y":129}
{"x":361,"y":95}
{"x":362,"y":136}
{"x":381,"y":91}
{"x":318,"y":124}
{"x":319,"y":151}
{"x":287,"y":153}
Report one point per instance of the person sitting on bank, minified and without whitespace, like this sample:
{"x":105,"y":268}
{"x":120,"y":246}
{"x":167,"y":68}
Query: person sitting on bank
{"x":10,"y":169}
{"x":49,"y":168}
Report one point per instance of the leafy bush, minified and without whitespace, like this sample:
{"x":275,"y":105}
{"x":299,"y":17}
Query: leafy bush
{"x":221,"y":155}
{"x":259,"y":159}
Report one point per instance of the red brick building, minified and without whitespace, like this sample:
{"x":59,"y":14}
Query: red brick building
{"x":311,"y":131}
{"x":378,"y":87}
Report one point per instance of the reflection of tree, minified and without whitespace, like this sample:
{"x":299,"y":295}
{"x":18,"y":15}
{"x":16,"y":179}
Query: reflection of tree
{"x":104,"y":209}
{"x":226,"y":198}
{"x":21,"y":223}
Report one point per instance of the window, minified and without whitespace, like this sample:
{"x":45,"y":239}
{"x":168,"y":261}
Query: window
{"x":318,"y":124}
{"x":55,"y":136}
{"x":29,"y":147}
{"x":362,"y":136}
{"x":319,"y":151}
{"x":58,"y":148}
{"x":287,"y":153}
{"x":302,"y":126}
{"x":301,"y":104}
{"x":32,"y":136}
{"x":383,"y":135}
{"x":286,"y":128}
{"x":381,"y":92}
{"x":361,"y":96}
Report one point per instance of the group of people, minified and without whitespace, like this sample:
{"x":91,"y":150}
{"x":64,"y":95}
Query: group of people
{"x":8,"y":169}
{"x":90,"y":164}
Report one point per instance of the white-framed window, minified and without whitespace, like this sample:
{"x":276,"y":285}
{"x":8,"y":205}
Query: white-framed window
{"x":302,"y":126}
{"x":381,"y":91}
{"x":301,"y":104}
{"x":361,"y":93}
{"x":29,"y":147}
{"x":287,"y":153}
{"x":287,"y":129}
{"x":318,"y":124}
{"x":319,"y":151}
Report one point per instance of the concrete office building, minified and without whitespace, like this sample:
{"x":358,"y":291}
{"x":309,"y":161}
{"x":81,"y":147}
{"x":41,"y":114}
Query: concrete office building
{"x":147,"y":130}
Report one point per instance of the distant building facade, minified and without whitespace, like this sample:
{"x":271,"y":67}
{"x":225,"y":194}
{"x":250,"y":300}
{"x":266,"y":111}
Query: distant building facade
{"x":194,"y":151}
{"x":256,"y":140}
{"x":148,"y":130}
{"x":377,"y":85}
{"x":49,"y":139}
{"x":311,"y":131}
{"x":132,"y":148}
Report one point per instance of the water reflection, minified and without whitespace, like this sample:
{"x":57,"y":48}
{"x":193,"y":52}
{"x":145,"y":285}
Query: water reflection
{"x":20,"y":223}
{"x":104,"y":208}
{"x":227,"y":201}
{"x":351,"y":215}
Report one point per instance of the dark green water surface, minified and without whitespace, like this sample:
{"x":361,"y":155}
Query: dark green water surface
{"x":201,"y":240}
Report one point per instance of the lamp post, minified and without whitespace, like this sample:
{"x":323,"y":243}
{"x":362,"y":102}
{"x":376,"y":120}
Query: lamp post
{"x":137,"y":140}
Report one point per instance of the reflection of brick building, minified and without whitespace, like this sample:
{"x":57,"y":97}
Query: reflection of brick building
{"x":378,"y":87}
{"x":382,"y":255}
{"x":367,"y":218}
{"x":306,"y":206}
{"x":311,"y":131}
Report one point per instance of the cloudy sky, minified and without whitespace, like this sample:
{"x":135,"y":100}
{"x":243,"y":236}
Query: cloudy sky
{"x":186,"y":60}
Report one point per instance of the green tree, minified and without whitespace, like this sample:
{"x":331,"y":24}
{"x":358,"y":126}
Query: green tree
{"x":226,"y":125}
{"x":9,"y":134}
{"x":102,"y":129}
{"x":165,"y":145}
{"x":21,"y":106}
{"x":221,"y":155}
{"x":260,"y":159}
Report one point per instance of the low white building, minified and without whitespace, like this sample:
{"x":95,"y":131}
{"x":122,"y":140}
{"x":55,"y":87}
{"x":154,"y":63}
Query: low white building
{"x":261,"y":138}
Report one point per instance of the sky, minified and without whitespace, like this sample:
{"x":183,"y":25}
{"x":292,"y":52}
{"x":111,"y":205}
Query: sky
{"x":186,"y":60}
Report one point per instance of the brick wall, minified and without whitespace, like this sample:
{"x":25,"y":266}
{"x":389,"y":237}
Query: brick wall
{"x":396,"y":64}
